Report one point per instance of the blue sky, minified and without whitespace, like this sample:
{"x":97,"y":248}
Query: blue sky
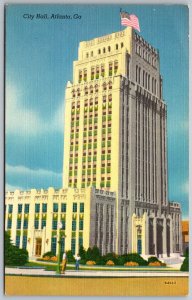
{"x":39,"y":56}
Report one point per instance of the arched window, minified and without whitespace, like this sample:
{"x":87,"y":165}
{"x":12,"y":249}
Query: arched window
{"x":136,"y":74}
{"x":85,"y":74}
{"x":110,"y":85}
{"x":110,"y":98}
{"x":97,"y":72}
{"x":73,"y":93}
{"x":110,"y":68}
{"x":80,"y":76}
{"x":92,"y":73}
{"x":103,"y":50}
{"x":149,"y":82}
{"x":78,"y":92}
{"x":109,"y":48}
{"x":139,"y":79}
{"x":102,"y":70}
{"x":152,"y":85}
{"x":146,"y":78}
{"x":91,"y":89}
{"x":143,"y":78}
{"x":87,"y":55}
{"x":86,"y":90}
{"x":104,"y":86}
{"x":116,"y":46}
{"x":99,"y":51}
{"x":96,"y":88}
{"x":115,"y":66}
{"x":122,"y":45}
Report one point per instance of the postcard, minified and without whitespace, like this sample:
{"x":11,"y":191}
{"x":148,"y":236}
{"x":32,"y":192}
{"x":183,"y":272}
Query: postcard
{"x":96,"y":135}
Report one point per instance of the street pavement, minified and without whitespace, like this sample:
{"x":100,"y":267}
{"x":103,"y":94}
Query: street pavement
{"x":88,"y":273}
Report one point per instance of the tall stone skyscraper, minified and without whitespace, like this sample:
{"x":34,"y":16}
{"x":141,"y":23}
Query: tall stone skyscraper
{"x":116,"y":137}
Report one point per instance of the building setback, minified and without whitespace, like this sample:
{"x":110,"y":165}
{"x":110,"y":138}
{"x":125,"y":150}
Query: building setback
{"x":115,"y":145}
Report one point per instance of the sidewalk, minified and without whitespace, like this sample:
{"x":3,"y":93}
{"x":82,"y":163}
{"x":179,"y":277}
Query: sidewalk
{"x":86,"y":273}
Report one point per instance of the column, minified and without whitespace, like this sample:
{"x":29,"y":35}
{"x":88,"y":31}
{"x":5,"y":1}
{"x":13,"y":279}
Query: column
{"x":155,"y":236}
{"x":164,"y":238}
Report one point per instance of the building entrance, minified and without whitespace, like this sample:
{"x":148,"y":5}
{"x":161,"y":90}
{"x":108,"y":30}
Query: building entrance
{"x":38,"y":247}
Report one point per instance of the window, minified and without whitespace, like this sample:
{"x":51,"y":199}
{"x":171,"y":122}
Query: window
{"x":92,"y":53}
{"x":10,"y":210}
{"x":19,"y":208}
{"x":43,"y":223}
{"x":26,"y":208}
{"x":80,"y":224}
{"x":78,"y":92}
{"x":80,"y":241}
{"x":55,"y":207}
{"x":74,"y":225}
{"x":9,"y":224}
{"x":104,"y":86}
{"x":18,"y":223}
{"x":54,"y":224}
{"x":73,"y":95}
{"x":103,"y":50}
{"x":91,"y":89}
{"x":44,"y":207}
{"x":63,"y":207}
{"x":17,"y":240}
{"x":99,"y":51}
{"x":110,"y":85}
{"x":109,"y":48}
{"x":25,"y":224}
{"x":86,"y":90}
{"x":115,"y":66}
{"x":63,"y":224}
{"x":74,"y":207}
{"x":116,"y":47}
{"x":24,"y":245}
{"x":110,"y":69}
{"x":53,"y":245}
{"x":87,"y":55}
{"x":73,"y":245}
{"x":85,"y":75}
{"x":96,"y":88}
{"x":36,"y":223}
{"x":81,"y":207}
{"x":121,"y":45}
{"x":37,"y":208}
{"x":102,"y":70}
{"x":80,"y":76}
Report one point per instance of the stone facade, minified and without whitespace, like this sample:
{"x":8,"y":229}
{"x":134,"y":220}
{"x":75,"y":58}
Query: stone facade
{"x":115,"y":144}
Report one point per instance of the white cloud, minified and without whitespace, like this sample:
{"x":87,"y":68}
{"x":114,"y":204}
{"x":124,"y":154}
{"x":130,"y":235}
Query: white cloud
{"x":12,"y":188}
{"x":21,"y":120}
{"x":38,"y":173}
{"x":185,"y":187}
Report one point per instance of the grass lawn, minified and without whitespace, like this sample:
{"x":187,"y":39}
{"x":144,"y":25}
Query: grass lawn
{"x":53,"y":267}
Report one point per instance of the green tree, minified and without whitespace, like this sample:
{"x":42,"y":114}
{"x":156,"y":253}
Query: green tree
{"x":13,"y":255}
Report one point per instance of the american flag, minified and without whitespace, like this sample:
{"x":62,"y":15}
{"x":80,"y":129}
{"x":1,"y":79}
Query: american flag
{"x":130,"y":20}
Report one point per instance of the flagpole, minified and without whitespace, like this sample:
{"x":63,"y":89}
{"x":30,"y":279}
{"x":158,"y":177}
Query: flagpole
{"x":120,"y":17}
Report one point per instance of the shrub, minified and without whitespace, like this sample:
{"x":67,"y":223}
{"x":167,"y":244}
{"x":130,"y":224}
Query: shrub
{"x":82,"y":253}
{"x":110,"y":256}
{"x":155,"y":264}
{"x":135,"y":257}
{"x":93,"y":253}
{"x":90,"y":263}
{"x":13,"y":255}
{"x":121,"y":260}
{"x":82,"y":261}
{"x":185,"y":265}
{"x":49,"y":254}
{"x":152,"y":259}
{"x":53,"y":258}
{"x":110,"y":263}
{"x":70,"y":257}
{"x":131,"y":264}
